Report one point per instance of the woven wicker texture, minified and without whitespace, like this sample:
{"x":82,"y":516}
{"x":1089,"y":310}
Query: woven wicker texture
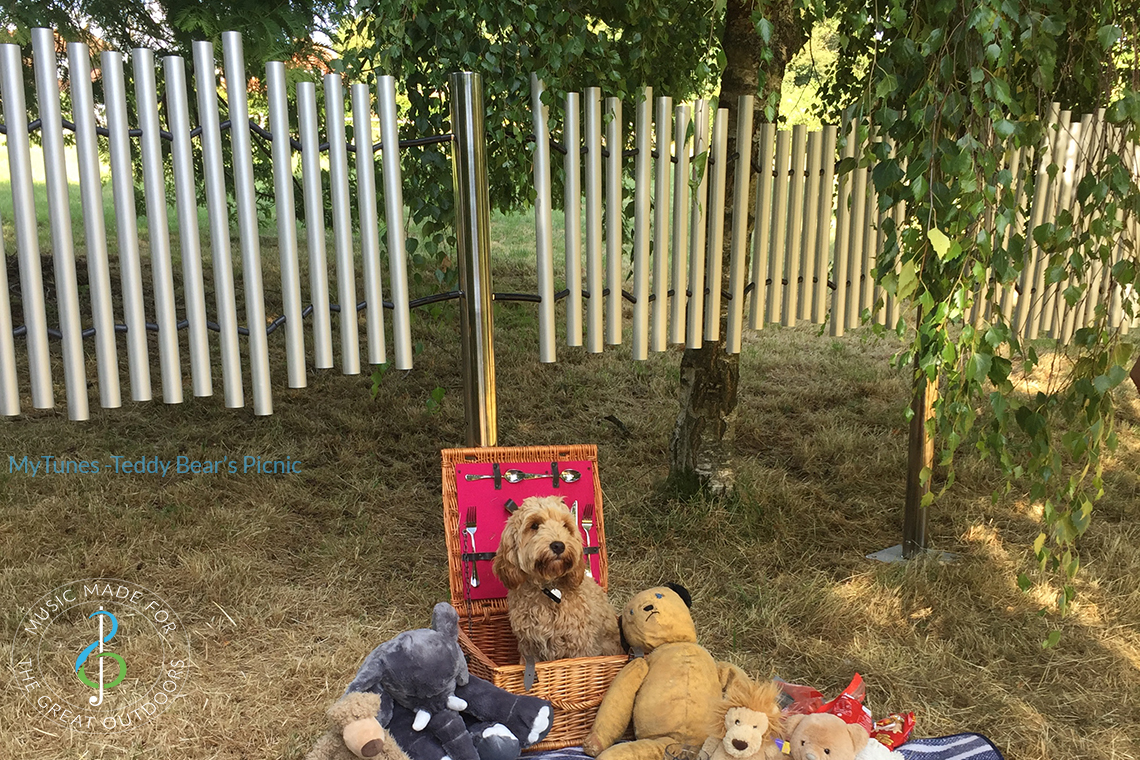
{"x":575,"y":687}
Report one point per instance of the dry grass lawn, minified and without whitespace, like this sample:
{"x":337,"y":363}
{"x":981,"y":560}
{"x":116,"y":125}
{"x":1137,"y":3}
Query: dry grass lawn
{"x":285,"y":582}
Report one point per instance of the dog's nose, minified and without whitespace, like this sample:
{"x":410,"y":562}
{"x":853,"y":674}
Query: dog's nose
{"x":648,"y":608}
{"x":740,"y":744}
{"x":557,"y":547}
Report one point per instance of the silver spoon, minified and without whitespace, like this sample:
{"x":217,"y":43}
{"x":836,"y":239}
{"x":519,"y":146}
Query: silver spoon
{"x":518,"y":476}
{"x":511,"y":476}
{"x":566,"y":476}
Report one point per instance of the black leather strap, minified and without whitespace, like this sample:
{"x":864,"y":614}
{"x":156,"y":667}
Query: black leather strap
{"x":529,"y":675}
{"x":487,"y":556}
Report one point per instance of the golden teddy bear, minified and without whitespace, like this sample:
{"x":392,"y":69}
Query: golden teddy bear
{"x":672,"y":693}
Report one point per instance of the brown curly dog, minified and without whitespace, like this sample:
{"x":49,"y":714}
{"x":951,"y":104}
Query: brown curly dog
{"x":554,"y":612}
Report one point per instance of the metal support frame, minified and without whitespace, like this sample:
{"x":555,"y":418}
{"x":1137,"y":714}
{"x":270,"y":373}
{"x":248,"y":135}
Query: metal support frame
{"x":920,"y":457}
{"x":473,"y":240}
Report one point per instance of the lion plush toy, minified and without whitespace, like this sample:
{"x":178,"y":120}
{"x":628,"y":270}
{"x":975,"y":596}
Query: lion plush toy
{"x":671,"y":694}
{"x":746,"y":721}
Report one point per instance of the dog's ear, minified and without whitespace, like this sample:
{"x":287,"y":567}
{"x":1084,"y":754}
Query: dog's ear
{"x":682,"y":592}
{"x":504,"y":566}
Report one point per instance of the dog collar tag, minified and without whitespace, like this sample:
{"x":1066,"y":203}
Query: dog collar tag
{"x":554,"y":594}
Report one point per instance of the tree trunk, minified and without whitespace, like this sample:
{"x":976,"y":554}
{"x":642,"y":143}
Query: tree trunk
{"x":700,"y":452}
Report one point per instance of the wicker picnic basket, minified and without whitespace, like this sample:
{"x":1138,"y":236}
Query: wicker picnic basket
{"x":574,"y":686}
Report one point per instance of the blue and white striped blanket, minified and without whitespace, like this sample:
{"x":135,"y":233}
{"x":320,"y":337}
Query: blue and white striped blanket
{"x":956,"y":747}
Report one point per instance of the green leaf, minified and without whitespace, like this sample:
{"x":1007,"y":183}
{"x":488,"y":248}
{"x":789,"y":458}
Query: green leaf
{"x":1051,"y":640}
{"x":1023,"y":582}
{"x":1053,"y":26}
{"x":1004,"y":128}
{"x":1116,"y":375}
{"x":979,"y":367}
{"x":846,"y":165}
{"x":939,"y":240}
{"x":886,"y":86}
{"x":999,"y":370}
{"x":764,"y":29}
{"x":908,"y":280}
{"x":1001,"y":90}
{"x":1108,"y":35}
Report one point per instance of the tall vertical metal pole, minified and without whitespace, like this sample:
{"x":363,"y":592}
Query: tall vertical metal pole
{"x":473,"y":240}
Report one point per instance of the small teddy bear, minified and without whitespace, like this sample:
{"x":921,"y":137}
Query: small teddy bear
{"x":823,"y":736}
{"x":746,"y":720}
{"x":355,"y":732}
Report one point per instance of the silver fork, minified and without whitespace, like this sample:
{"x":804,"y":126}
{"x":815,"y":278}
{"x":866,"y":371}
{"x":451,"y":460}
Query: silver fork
{"x":470,"y":531}
{"x":587,"y":524}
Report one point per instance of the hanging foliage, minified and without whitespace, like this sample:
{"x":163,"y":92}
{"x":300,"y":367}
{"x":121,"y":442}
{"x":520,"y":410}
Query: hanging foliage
{"x":957,"y":97}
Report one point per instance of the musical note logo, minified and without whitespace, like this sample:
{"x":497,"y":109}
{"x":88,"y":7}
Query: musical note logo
{"x":81,"y":661}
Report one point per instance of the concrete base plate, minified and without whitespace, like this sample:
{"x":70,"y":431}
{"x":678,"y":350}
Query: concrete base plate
{"x":895,"y":554}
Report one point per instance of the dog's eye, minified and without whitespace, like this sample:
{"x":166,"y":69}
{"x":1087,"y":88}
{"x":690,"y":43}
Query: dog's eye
{"x":803,"y":742}
{"x":827,"y":752}
{"x":534,"y":526}
{"x":738,"y":723}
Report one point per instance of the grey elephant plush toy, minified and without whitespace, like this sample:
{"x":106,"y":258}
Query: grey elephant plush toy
{"x":435,"y":709}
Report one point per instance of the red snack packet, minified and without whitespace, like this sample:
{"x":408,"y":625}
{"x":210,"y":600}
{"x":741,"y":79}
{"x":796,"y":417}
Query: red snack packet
{"x":849,"y":705}
{"x":894,"y":729}
{"x":796,"y":699}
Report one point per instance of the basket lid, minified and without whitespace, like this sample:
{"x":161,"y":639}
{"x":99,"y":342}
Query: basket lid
{"x":477,"y":488}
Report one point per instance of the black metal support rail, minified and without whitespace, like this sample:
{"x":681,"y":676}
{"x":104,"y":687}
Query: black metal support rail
{"x":254,"y":127}
{"x":560,"y":148}
{"x":273,"y":326}
{"x":22,"y":330}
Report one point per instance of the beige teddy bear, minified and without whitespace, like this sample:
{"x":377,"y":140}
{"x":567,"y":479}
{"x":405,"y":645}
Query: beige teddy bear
{"x":747,"y":720}
{"x":355,"y":732}
{"x":671,"y":694}
{"x":823,"y":736}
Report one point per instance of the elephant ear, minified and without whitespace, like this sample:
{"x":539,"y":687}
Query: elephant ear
{"x":445,"y":621}
{"x":385,"y":714}
{"x":372,"y":670}
{"x":463,"y":675}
